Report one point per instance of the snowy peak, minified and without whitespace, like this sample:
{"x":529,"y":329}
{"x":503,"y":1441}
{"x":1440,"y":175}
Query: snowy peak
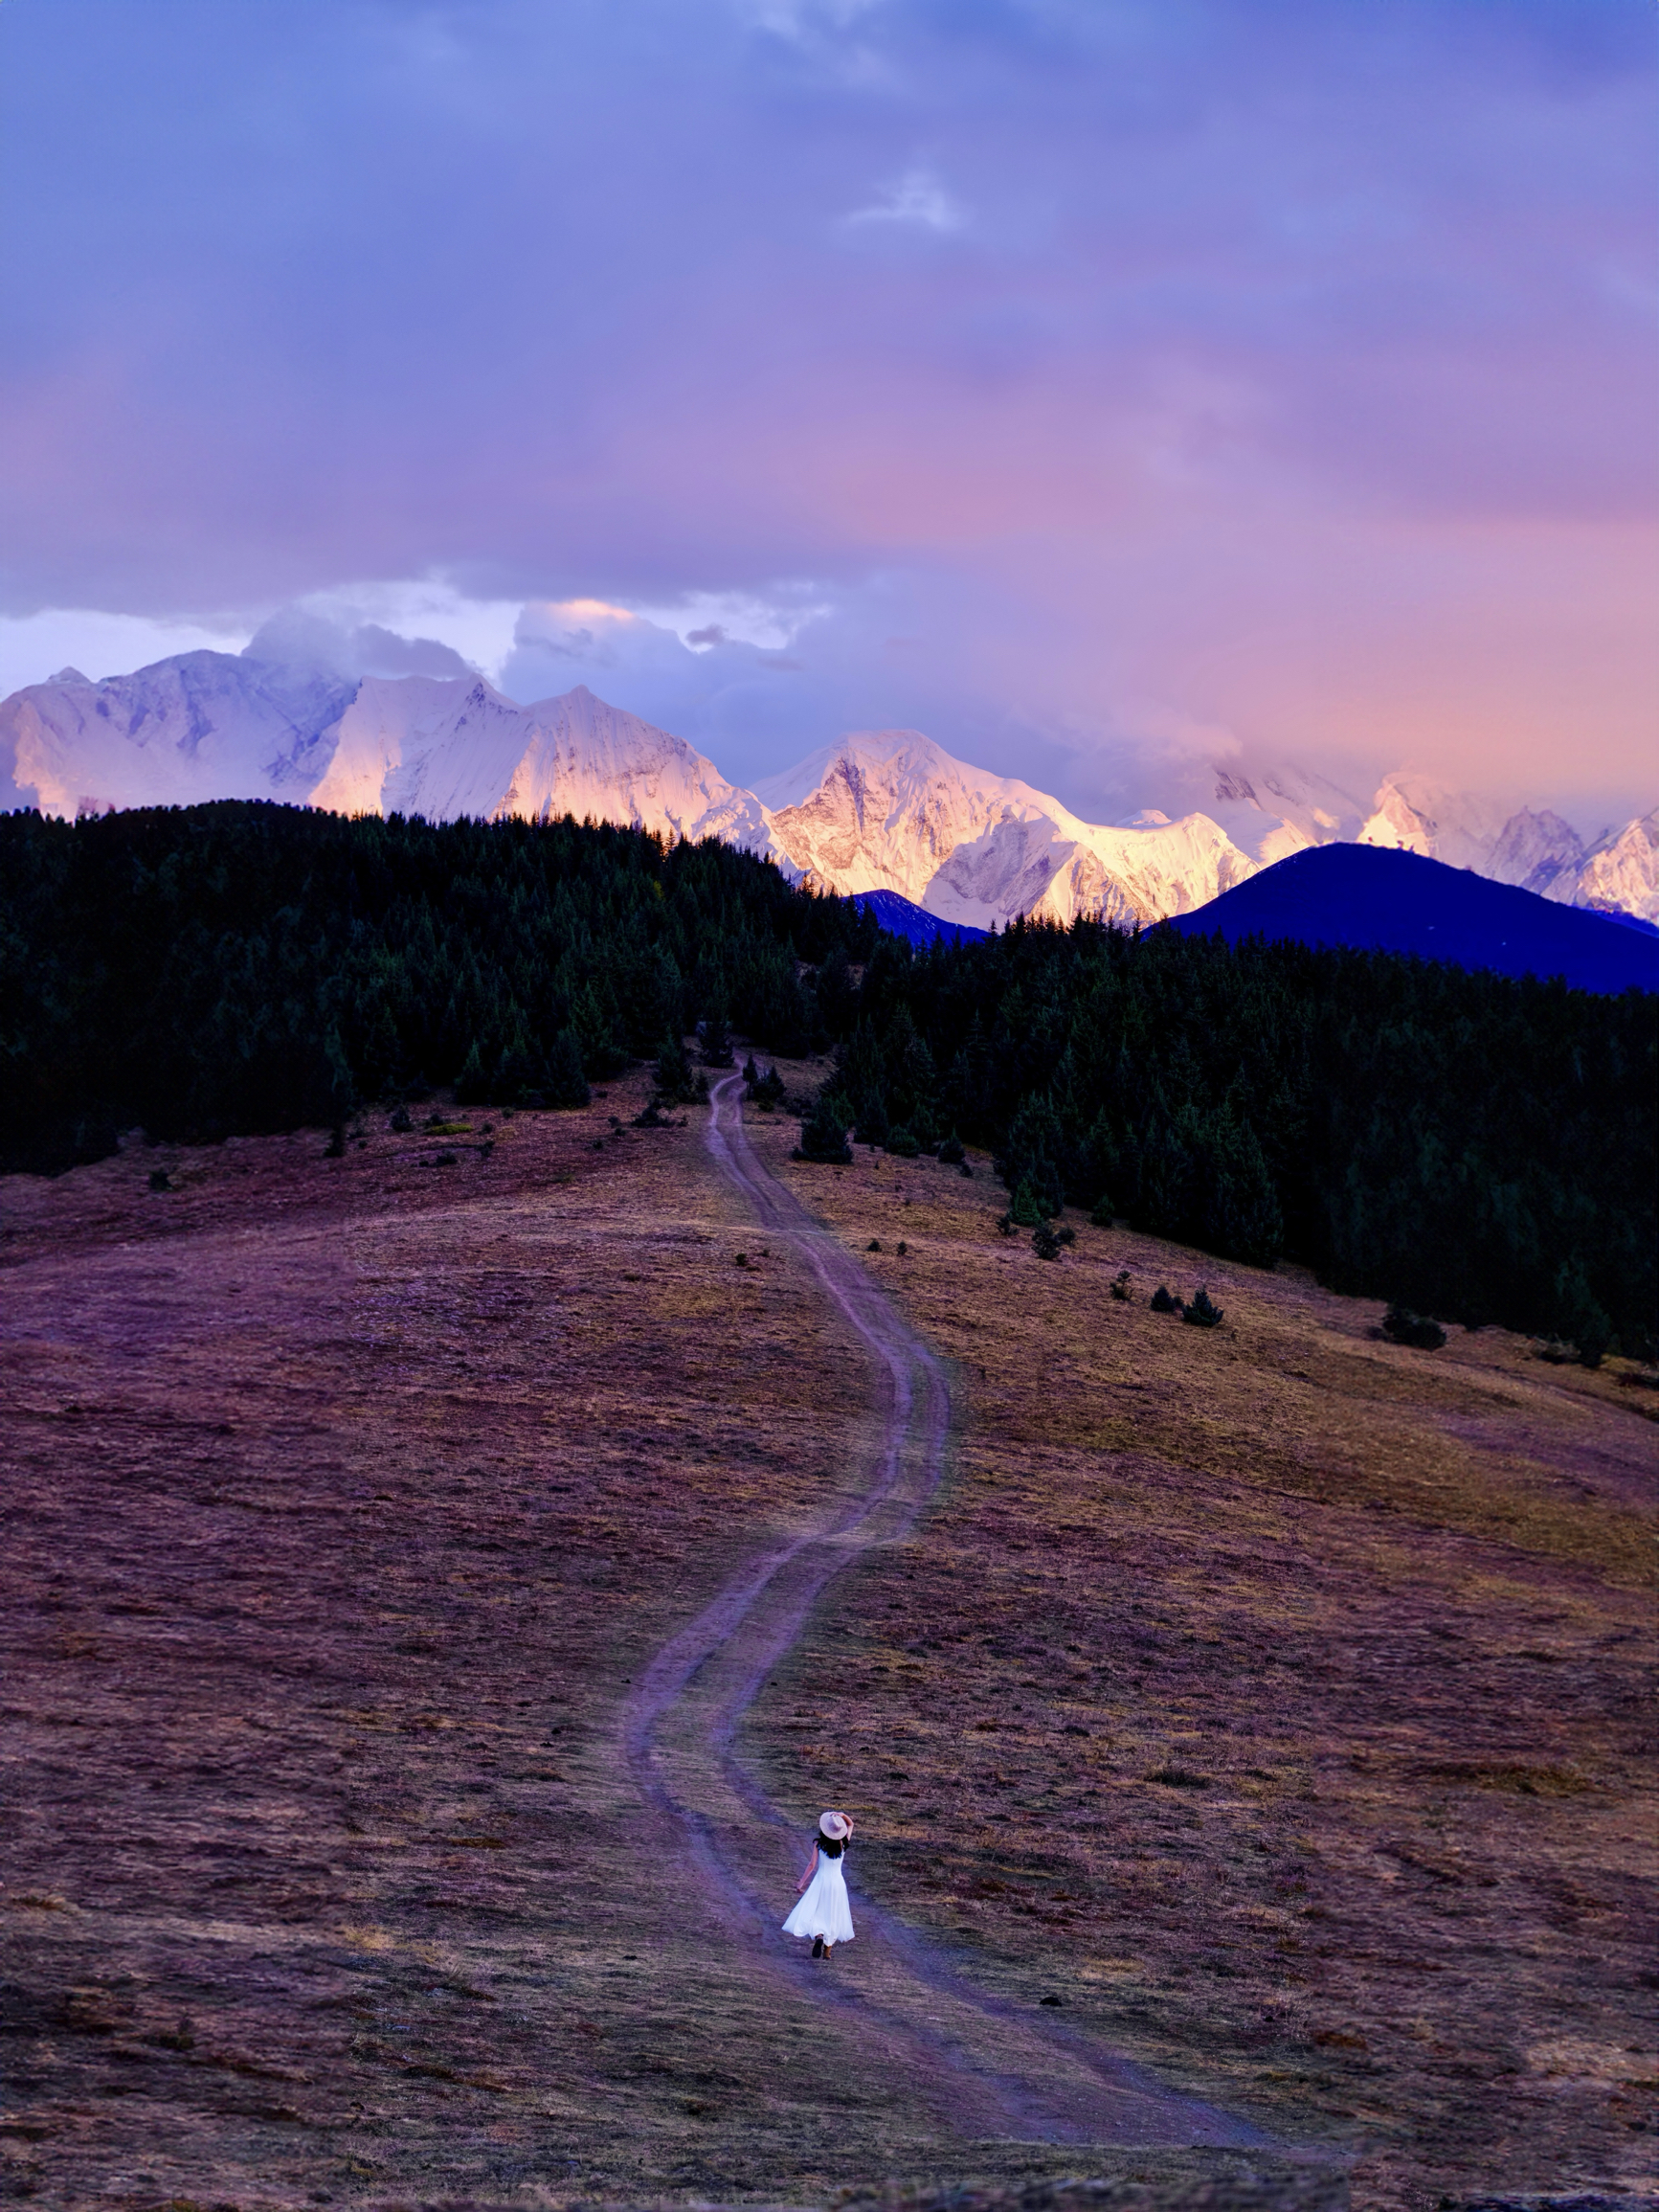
{"x":448,"y":747}
{"x":1621,"y":874}
{"x":227,"y":726}
{"x":1272,"y":812}
{"x":1535,"y":851}
{"x":890,"y":810}
{"x":1413,"y":815}
{"x":200,"y":726}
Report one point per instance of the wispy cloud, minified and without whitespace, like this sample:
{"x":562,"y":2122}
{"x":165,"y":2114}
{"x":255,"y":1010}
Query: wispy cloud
{"x":917,"y":200}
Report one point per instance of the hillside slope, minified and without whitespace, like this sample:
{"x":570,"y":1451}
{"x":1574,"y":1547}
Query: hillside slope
{"x":1366,"y":896}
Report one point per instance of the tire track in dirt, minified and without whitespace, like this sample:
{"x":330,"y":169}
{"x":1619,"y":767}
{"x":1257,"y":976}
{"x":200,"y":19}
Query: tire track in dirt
{"x":987,"y":2067}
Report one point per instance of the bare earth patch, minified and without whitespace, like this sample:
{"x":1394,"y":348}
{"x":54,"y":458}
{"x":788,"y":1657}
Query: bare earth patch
{"x":1267,"y":1697}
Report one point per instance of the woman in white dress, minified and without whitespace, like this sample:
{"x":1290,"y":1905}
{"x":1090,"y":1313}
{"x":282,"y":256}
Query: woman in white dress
{"x":823,"y":1912}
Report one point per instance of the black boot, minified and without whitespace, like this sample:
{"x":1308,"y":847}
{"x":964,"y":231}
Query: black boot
{"x":817,"y":1947}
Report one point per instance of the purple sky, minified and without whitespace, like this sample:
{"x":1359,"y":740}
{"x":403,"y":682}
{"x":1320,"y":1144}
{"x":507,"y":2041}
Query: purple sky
{"x":1097,"y":386}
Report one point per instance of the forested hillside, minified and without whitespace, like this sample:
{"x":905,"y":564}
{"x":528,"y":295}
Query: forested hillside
{"x":1478,"y":1147}
{"x":244,"y":966}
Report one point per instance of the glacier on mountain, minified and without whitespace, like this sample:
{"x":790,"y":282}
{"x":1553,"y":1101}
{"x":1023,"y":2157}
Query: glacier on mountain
{"x":878,"y":810}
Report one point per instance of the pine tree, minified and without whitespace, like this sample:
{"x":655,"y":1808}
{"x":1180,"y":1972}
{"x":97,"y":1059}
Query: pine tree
{"x":1238,"y":1212}
{"x":1576,"y":1316}
{"x":716,"y":1036}
{"x":673,"y":1081}
{"x":873,"y":1125}
{"x":567,"y":1085}
{"x":823,"y":1134}
{"x":837,"y":992}
{"x":1030,"y":1157}
{"x":1028,"y":1209}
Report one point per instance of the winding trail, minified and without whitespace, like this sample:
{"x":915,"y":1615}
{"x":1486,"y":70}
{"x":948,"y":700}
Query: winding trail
{"x":987,"y":2067}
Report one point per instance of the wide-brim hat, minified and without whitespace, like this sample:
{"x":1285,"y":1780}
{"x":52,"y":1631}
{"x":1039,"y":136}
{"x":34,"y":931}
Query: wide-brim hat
{"x":836,"y":1826}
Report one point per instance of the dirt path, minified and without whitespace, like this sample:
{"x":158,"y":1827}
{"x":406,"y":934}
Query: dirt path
{"x":989,"y":2067}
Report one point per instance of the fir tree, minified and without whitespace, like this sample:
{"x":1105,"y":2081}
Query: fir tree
{"x":716,"y":1036}
{"x":566,"y":1084}
{"x":823,"y":1134}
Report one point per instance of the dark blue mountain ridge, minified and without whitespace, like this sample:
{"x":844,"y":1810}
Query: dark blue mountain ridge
{"x":1378,"y":900}
{"x":903,"y":918}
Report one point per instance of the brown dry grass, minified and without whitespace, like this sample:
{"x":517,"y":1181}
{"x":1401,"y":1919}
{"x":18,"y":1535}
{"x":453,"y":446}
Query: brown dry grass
{"x":346,"y":1499}
{"x":1273,"y":1696}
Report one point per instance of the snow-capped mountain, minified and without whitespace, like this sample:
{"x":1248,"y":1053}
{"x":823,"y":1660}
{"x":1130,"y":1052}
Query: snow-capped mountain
{"x":1618,"y":872}
{"x":446,"y":747}
{"x":1273,"y":812}
{"x":889,"y":810}
{"x":882,"y":811}
{"x":224,"y":725}
{"x":200,"y":726}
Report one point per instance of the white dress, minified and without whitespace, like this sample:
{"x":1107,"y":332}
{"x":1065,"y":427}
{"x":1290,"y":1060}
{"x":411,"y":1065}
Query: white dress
{"x":824,"y":1910}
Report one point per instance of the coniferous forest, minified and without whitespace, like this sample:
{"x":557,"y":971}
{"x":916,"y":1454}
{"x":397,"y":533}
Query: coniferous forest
{"x":1474,"y":1147}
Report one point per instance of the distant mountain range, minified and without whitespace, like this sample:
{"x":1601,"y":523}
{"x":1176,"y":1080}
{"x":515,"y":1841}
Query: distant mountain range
{"x":1400,"y":902}
{"x":883,"y":811}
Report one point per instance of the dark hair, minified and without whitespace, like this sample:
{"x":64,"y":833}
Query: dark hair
{"x":832,"y":1846}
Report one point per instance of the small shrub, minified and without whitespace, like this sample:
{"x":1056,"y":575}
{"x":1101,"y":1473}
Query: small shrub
{"x":1005,"y":1223}
{"x":650,"y":1119}
{"x":1178,"y":1778}
{"x":1043,"y":1242}
{"x":740,"y":1258}
{"x":335,"y":1149}
{"x":1120,"y":1289}
{"x":951,"y":1153}
{"x":1163,"y":1303}
{"x":1103,"y":1213}
{"x":874,"y":1245}
{"x":445,"y":1160}
{"x":1068,"y":1235}
{"x":1401,"y":1326}
{"x":159,"y":1179}
{"x":1202,"y":1313}
{"x":904,"y":1247}
{"x":902,"y":1145}
{"x":764,"y":1091}
{"x":401,"y":1121}
{"x":965,"y":1169}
